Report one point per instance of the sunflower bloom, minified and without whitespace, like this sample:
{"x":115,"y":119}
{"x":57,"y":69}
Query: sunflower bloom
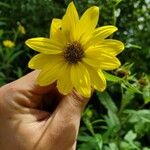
{"x":21,"y":29}
{"x":76,"y":53}
{"x":8,"y":43}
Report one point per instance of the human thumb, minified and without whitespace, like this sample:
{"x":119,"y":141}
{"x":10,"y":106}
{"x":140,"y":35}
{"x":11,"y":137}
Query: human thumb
{"x":72,"y":104}
{"x":64,"y":122}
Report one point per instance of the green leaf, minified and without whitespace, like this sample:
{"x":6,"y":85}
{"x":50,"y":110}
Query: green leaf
{"x":113,"y":126}
{"x":18,"y":72}
{"x":91,"y":143}
{"x":99,"y":140}
{"x":86,"y":138}
{"x":146,"y":148}
{"x":130,"y":139}
{"x":107,"y":101}
{"x":112,"y":78}
{"x":146,"y":94}
{"x":129,"y":45}
{"x":127,"y":97}
{"x":132,"y":87}
{"x":2,"y":4}
{"x":128,"y":146}
{"x":127,"y":85}
{"x":1,"y":32}
{"x":140,"y":120}
{"x":14,"y":56}
{"x":2,"y":23}
{"x":130,"y":136}
{"x":113,"y":120}
{"x":140,"y":115}
{"x":113,"y":146}
{"x":88,"y":146}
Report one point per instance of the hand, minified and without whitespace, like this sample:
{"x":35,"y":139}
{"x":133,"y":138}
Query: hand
{"x":38,"y":118}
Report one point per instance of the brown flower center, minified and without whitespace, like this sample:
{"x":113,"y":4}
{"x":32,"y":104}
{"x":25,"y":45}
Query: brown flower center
{"x":73,"y":52}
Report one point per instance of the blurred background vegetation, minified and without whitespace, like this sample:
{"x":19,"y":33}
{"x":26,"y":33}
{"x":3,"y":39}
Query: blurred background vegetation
{"x":117,"y":119}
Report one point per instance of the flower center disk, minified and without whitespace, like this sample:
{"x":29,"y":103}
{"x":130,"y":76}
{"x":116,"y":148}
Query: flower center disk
{"x":73,"y":52}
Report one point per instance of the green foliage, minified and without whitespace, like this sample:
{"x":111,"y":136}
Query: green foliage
{"x":117,"y":119}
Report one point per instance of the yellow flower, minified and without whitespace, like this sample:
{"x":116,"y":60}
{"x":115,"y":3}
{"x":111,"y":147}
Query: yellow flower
{"x":8,"y":43}
{"x":76,"y":53}
{"x":21,"y":29}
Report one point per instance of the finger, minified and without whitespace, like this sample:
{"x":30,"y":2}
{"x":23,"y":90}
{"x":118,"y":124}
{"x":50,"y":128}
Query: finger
{"x":72,"y":103}
{"x":26,"y":92}
{"x":64,"y":122}
{"x":69,"y":109}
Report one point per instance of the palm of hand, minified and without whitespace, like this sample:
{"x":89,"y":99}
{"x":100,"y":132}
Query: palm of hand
{"x":24,"y":125}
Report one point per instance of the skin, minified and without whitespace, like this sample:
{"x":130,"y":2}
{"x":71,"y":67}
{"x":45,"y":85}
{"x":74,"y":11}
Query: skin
{"x":38,"y":118}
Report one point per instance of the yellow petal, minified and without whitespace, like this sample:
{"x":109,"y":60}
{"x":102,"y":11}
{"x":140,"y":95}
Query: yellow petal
{"x":70,"y":21}
{"x":104,"y":61}
{"x":104,"y":32}
{"x":60,"y":37}
{"x":112,"y":46}
{"x":45,"y":45}
{"x":98,"y":80}
{"x":101,"y":33}
{"x":87,"y":23}
{"x":81,"y":79}
{"x":108,"y":46}
{"x":50,"y":73}
{"x":40,"y":60}
{"x":55,"y":25}
{"x":64,"y":84}
{"x":56,"y":32}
